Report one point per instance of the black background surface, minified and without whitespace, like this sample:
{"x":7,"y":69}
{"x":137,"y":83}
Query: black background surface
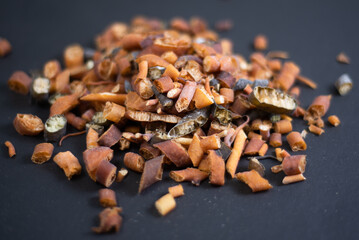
{"x":38,"y":202}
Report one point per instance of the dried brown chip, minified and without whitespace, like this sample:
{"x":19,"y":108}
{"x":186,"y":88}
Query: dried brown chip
{"x":122,"y":173}
{"x":110,"y":220}
{"x":69,"y":163}
{"x":42,"y":153}
{"x":93,"y":157}
{"x":343,"y":58}
{"x":256,"y":165}
{"x":19,"y":82}
{"x":217,"y":168}
{"x":152,"y":172}
{"x":110,"y":137}
{"x":11,"y":148}
{"x":176,"y":191}
{"x":28,"y":124}
{"x":193,"y":175}
{"x":296,"y":141}
{"x":106,"y":173}
{"x":107,"y":197}
{"x":134,"y":162}
{"x":165,"y":204}
{"x":254,"y":180}
{"x":174,"y":152}
{"x":295,"y":164}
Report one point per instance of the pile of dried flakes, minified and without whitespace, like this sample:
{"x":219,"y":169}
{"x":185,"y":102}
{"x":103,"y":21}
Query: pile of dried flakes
{"x":183,"y":96}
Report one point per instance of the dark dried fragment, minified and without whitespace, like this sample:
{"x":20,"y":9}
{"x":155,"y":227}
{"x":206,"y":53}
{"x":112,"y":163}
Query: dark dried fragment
{"x":152,"y":172}
{"x":241,"y":84}
{"x":55,"y":128}
{"x":175,"y":152}
{"x":256,"y":165}
{"x":110,"y":137}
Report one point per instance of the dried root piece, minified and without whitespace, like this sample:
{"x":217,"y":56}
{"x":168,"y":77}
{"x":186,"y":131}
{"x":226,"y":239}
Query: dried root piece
{"x":319,"y":106}
{"x":134,"y":162}
{"x":217,"y":168}
{"x":93,"y":157}
{"x":254,"y":180}
{"x":237,"y":150}
{"x":293,"y":179}
{"x":165,"y":204}
{"x":343,"y":58}
{"x":107,"y":197}
{"x":148,"y":152}
{"x":186,"y":96}
{"x":295,"y":164}
{"x":310,"y":83}
{"x":253,"y":147}
{"x":316,"y":130}
{"x":19,"y":82}
{"x":334,"y":120}
{"x":256,"y":165}
{"x":195,"y":151}
{"x":263,"y":150}
{"x":110,"y":137}
{"x":176,"y":191}
{"x":152,"y":172}
{"x":11,"y":148}
{"x":174,"y":152}
{"x":110,"y":220}
{"x":69,"y":163}
{"x":106,"y":173}
{"x":114,"y":112}
{"x":122,"y":173}
{"x":296,"y":141}
{"x":52,"y":69}
{"x":74,"y":56}
{"x":75,"y":121}
{"x":193,"y":175}
{"x":28,"y":124}
{"x":163,"y":84}
{"x":283,"y":126}
{"x":212,"y":142}
{"x":275,"y":140}
{"x":42,"y":153}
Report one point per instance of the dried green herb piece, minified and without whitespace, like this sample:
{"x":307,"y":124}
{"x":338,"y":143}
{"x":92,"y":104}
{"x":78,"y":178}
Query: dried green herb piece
{"x":190,"y":123}
{"x":155,"y":72}
{"x":223,"y":115}
{"x":272,"y":100}
{"x":40,"y":89}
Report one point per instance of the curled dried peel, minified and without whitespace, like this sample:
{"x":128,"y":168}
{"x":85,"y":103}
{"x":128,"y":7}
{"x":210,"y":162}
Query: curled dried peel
{"x":272,"y":100}
{"x":151,"y":117}
{"x":190,"y":123}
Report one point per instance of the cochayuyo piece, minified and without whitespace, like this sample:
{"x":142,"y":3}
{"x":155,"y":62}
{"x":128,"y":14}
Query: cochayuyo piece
{"x":183,"y":97}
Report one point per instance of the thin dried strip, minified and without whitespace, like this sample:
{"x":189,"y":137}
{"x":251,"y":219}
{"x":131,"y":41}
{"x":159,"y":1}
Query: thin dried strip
{"x":165,"y":204}
{"x":195,"y":151}
{"x":20,"y":82}
{"x":152,"y":172}
{"x":135,"y":102}
{"x":176,"y":191}
{"x":106,"y":173}
{"x":254,"y":180}
{"x":147,"y":151}
{"x":110,"y":220}
{"x":193,"y":175}
{"x":217,"y":168}
{"x":186,"y":96}
{"x":334,"y":120}
{"x":237,"y":150}
{"x":141,"y":116}
{"x":287,"y":76}
{"x":134,"y":162}
{"x":294,"y":164}
{"x":110,"y":137}
{"x":93,"y":157}
{"x":105,"y":97}
{"x":153,"y":60}
{"x":293,"y":179}
{"x":28,"y":124}
{"x":296,"y":142}
{"x":278,"y":54}
{"x":107,"y":197}
{"x":174,"y":152}
{"x":42,"y":153}
{"x":69,"y":163}
{"x":263,"y":150}
{"x":307,"y":81}
{"x":11,"y":148}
